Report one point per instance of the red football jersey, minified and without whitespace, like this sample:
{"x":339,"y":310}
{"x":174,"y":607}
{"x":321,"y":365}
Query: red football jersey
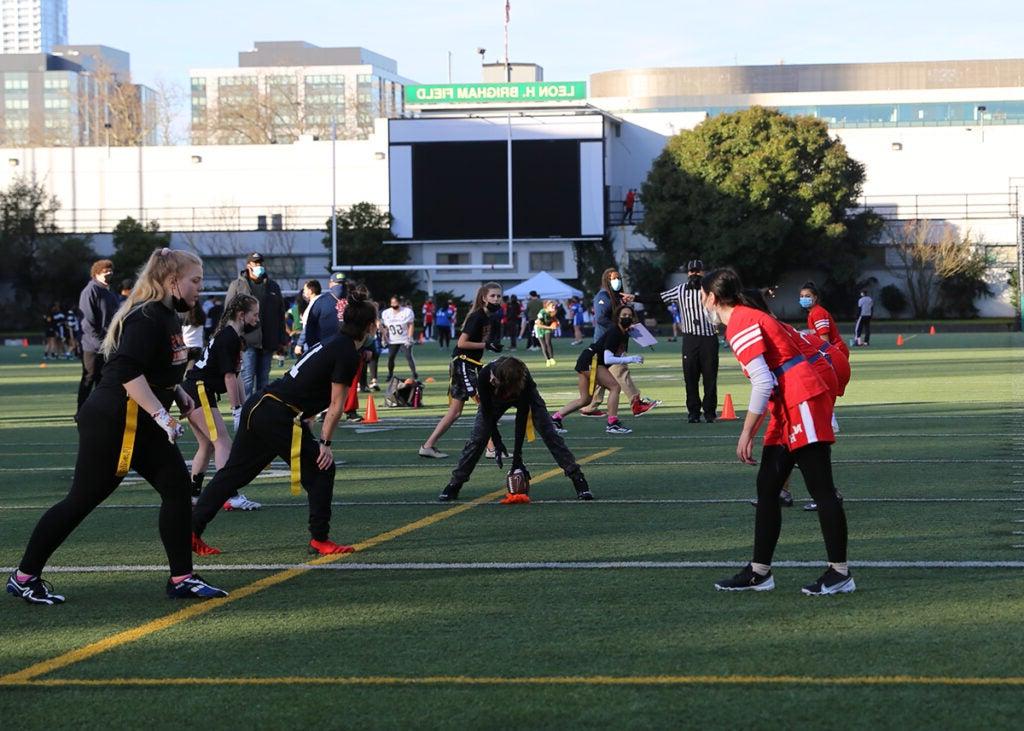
{"x":820,"y":321}
{"x":752,"y":333}
{"x":832,"y":364}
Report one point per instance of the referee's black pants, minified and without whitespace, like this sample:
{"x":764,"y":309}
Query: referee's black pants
{"x":101,"y":422}
{"x":482,"y":429}
{"x":700,"y":360}
{"x":265,"y":432}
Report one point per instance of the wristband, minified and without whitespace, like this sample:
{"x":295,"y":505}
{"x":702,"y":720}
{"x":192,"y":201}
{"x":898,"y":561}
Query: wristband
{"x":325,"y":442}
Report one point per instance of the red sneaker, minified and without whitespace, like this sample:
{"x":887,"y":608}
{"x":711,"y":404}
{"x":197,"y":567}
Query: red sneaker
{"x":328,"y":547}
{"x":641,"y":407}
{"x":200,"y":548}
{"x":596,"y":413}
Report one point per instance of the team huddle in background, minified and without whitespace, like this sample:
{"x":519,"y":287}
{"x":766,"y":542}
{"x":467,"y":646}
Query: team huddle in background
{"x":141,"y":363}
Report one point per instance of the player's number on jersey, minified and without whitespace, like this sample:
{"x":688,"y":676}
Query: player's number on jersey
{"x":294,"y":372}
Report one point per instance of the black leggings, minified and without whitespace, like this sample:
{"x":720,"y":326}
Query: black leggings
{"x":100,"y":433}
{"x":815,"y":463}
{"x":444,"y":336}
{"x":393,"y":351}
{"x":265,"y":432}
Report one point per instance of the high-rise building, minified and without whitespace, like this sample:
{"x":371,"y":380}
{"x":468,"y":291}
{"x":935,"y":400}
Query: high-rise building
{"x":75,"y":96}
{"x":283,"y":90}
{"x":33,"y":26}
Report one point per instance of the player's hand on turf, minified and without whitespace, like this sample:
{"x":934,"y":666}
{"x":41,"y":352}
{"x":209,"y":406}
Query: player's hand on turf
{"x":326,"y":457}
{"x":169,"y":424}
{"x":745,"y":449}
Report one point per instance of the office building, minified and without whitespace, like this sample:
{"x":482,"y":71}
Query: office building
{"x":282,"y":91}
{"x":33,"y":26}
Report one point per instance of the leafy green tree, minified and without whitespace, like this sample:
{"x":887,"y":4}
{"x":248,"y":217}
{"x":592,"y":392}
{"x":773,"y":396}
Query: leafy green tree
{"x":646,"y":276}
{"x":761,"y":192}
{"x":134,"y":242}
{"x":592,"y":258}
{"x":61,"y":269}
{"x":362,"y":230}
{"x":27,"y":219}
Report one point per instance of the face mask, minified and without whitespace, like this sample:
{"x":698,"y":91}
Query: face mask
{"x":493,"y":307}
{"x":616,"y":284}
{"x":395,"y":307}
{"x":247,"y":328}
{"x":713,"y":316}
{"x":258,"y":272}
{"x":626,"y":322}
{"x":179,"y":304}
{"x":806,"y":302}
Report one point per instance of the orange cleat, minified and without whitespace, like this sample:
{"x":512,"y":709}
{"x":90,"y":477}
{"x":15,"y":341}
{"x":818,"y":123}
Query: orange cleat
{"x":200,"y":548}
{"x":328,"y":548}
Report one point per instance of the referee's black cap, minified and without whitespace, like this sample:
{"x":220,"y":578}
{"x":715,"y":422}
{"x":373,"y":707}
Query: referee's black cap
{"x":695,"y":265}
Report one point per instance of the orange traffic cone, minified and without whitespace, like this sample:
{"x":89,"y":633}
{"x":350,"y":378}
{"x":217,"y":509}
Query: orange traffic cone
{"x":899,"y":340}
{"x":42,"y":365}
{"x":931,"y":330}
{"x":430,"y":379}
{"x":728,"y":411}
{"x":371,"y":411}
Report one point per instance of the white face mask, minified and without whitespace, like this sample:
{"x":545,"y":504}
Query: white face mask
{"x":713,"y":317}
{"x":616,"y":284}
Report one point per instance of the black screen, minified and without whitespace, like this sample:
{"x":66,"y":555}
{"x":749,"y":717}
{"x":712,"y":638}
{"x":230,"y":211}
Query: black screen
{"x":459,"y":189}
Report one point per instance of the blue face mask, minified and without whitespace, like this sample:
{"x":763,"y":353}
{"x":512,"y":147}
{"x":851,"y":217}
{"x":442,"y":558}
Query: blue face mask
{"x":258,"y":272}
{"x":806,"y":302}
{"x":616,"y":284}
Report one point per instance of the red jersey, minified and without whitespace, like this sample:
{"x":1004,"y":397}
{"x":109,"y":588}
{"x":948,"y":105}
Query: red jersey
{"x":428,"y":313}
{"x":800,"y":407}
{"x":829,"y":362}
{"x":820,"y":321}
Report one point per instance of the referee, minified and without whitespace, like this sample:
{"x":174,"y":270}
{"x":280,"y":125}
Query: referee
{"x":700,"y":345}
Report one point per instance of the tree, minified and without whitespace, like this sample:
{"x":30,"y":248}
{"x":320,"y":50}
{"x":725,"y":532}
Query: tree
{"x":759,"y":191}
{"x":592,"y":258}
{"x":27,"y":220}
{"x":362,"y":230}
{"x":134,"y":242}
{"x":646,"y":275}
{"x":61,"y":269}
{"x":931,"y":253}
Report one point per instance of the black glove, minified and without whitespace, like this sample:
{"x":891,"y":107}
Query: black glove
{"x":495,"y":347}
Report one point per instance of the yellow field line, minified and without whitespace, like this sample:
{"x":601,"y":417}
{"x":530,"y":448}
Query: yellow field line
{"x":607,"y":680}
{"x":194,"y":610}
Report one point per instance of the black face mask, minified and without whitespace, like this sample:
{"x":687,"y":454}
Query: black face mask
{"x":492,"y":307}
{"x":247,"y":328}
{"x":180,"y":305}
{"x":695,"y":278}
{"x":626,"y":321}
{"x":395,"y":307}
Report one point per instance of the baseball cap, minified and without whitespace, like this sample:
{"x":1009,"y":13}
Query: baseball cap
{"x":338,"y":277}
{"x":256,"y":257}
{"x":695,"y":265}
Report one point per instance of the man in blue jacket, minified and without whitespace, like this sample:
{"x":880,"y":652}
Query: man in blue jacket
{"x":324,"y":317}
{"x":98,"y":305}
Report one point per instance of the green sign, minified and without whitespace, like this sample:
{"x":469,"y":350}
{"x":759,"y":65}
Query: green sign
{"x":539,"y":91}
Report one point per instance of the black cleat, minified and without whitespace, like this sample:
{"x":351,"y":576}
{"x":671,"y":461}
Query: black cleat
{"x":694,"y":419}
{"x":579,"y":482}
{"x":194,"y":587}
{"x":710,"y":418}
{"x":450,"y":493}
{"x":747,"y":580}
{"x":831,"y":582}
{"x":33,"y":590}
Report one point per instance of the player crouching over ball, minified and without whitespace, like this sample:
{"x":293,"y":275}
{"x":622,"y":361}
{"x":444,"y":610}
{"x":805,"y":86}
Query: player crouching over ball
{"x":504,"y":383}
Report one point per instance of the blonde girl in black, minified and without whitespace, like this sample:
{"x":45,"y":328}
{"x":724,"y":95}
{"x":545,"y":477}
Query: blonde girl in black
{"x":125,"y":424}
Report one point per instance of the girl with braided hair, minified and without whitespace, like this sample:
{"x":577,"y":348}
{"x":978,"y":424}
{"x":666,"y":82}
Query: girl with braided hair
{"x":214,"y":374}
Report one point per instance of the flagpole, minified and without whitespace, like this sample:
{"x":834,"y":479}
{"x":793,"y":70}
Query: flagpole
{"x":508,"y":66}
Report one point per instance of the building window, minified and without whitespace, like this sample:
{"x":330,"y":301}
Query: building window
{"x":500,"y":258}
{"x":461,"y":259}
{"x":547,"y":261}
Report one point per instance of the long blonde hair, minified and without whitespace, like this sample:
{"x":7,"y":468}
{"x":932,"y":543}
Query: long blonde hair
{"x":163,"y":263}
{"x":480,"y":301}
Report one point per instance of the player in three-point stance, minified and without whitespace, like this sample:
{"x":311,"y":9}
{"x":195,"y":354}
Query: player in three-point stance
{"x":503,"y":384}
{"x":799,"y":433}
{"x":275,"y":422}
{"x":124,"y":424}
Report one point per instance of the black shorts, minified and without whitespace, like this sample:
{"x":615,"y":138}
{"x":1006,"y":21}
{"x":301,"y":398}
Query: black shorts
{"x":585,"y":361}
{"x":190,"y":387}
{"x":465,"y":379}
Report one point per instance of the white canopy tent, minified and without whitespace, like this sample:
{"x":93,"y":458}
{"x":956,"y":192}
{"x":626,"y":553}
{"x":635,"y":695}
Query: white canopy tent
{"x":546,"y":287}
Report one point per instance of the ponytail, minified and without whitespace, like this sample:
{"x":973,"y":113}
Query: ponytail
{"x":240,"y":304}
{"x":480,"y":302}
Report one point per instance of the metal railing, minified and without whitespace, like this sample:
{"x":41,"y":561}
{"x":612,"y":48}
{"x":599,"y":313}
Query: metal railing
{"x":949,"y":206}
{"x":202,"y":218}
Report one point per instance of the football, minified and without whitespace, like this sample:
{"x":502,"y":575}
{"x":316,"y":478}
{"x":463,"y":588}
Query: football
{"x":517,"y":483}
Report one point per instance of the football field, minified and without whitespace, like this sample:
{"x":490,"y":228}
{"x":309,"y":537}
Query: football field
{"x":557,"y":614}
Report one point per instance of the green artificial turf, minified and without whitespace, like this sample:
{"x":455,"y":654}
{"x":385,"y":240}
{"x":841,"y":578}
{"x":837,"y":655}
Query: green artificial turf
{"x":929,"y":460}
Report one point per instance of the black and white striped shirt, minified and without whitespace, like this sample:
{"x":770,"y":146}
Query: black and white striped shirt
{"x":694,"y":321}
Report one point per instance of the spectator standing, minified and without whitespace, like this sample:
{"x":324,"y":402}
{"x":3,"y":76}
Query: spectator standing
{"x":325,"y":313}
{"x":98,"y":304}
{"x":428,"y":318}
{"x":865,"y":307}
{"x":533,"y":307}
{"x":444,"y":327}
{"x":513,"y":315}
{"x":627,"y":206}
{"x":576,"y":313}
{"x":270,"y":336}
{"x":126,"y":289}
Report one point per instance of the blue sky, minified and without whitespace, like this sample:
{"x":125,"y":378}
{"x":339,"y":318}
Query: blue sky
{"x":569,"y":38}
